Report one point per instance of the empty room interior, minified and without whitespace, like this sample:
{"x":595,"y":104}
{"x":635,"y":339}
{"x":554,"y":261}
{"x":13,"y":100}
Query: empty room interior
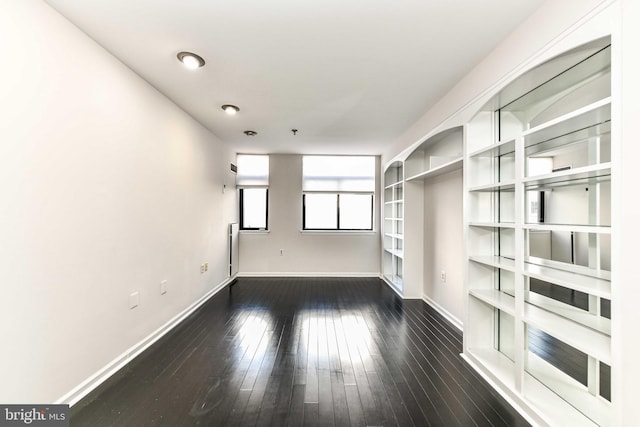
{"x":349,"y":213}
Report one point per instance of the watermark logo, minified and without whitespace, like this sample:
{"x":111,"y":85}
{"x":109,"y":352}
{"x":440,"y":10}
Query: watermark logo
{"x":34,"y":415}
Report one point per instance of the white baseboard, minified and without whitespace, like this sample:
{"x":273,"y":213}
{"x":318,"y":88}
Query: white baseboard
{"x":444,"y":312}
{"x":90,"y":384}
{"x":307,"y":274}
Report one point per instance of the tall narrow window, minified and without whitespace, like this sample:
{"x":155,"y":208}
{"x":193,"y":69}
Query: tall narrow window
{"x":338,"y":192}
{"x":253,"y":183}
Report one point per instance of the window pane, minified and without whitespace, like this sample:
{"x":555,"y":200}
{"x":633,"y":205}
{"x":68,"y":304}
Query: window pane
{"x":355,"y":212}
{"x":254,"y":208}
{"x":321,"y":211}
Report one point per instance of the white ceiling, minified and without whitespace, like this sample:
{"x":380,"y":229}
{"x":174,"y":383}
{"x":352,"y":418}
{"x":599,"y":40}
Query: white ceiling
{"x":350,"y":75}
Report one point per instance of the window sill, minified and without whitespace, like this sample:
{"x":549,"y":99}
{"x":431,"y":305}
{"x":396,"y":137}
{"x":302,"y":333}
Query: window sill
{"x":339,"y":232}
{"x":254,"y":231}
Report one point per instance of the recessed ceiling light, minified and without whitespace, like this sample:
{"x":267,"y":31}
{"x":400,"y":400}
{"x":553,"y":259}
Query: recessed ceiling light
{"x":250,"y":132}
{"x":230,"y":109}
{"x":191,"y":60}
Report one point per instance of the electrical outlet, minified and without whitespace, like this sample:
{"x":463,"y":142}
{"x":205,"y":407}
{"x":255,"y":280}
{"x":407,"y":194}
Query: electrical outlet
{"x":443,"y":276}
{"x":281,"y":252}
{"x":201,"y":268}
{"x":134,"y":299}
{"x":163,"y":287}
{"x":206,"y":266}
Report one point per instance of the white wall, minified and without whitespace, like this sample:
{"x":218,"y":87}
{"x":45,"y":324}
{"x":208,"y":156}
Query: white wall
{"x":443,"y":243}
{"x":106,"y":187}
{"x":513,"y":55}
{"x":304,"y":253}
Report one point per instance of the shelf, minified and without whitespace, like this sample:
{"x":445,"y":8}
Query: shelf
{"x":393,"y":219}
{"x":393,"y":201}
{"x":395,"y":281}
{"x":495,"y":150}
{"x":494,"y":364}
{"x":585,"y":339}
{"x":585,"y":172}
{"x":597,"y":323}
{"x":551,"y":171}
{"x":495,"y":298}
{"x":492,"y":224}
{"x":590,"y":285}
{"x":543,"y":384}
{"x":394,"y":252}
{"x":602,"y":229}
{"x":568,"y":139}
{"x":395,"y":184}
{"x":500,"y":186}
{"x":495,"y":261}
{"x":590,"y":115}
{"x":440,"y":170}
{"x":395,"y":236}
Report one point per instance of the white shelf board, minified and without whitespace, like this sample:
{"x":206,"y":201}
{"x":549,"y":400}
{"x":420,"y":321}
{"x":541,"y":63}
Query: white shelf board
{"x":565,"y":391}
{"x":579,"y":282}
{"x":495,"y":261}
{"x":394,"y":252}
{"x":440,"y":170}
{"x":598,"y":323}
{"x":395,"y":281}
{"x":495,"y":298}
{"x":395,"y":236}
{"x":393,"y":219}
{"x":395,"y":184}
{"x":498,"y":149}
{"x":393,"y":201}
{"x":492,"y":224}
{"x":504,"y":186}
{"x":597,"y":112}
{"x":543,"y":148}
{"x":585,"y":339}
{"x":585,"y":172}
{"x":494,"y":364}
{"x":602,"y":229}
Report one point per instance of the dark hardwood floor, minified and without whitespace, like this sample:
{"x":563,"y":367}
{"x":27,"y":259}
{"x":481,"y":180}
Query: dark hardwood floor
{"x":301,"y":351}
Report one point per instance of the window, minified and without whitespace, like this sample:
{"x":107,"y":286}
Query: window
{"x":253,"y":183}
{"x":338,"y":192}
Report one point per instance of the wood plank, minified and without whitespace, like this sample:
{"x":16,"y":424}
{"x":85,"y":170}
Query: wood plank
{"x":294,"y":351}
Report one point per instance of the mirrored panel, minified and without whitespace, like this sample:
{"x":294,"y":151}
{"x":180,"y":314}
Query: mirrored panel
{"x":505,"y":333}
{"x":493,"y":206}
{"x":586,"y":82}
{"x":567,"y":371}
{"x":587,"y":147}
{"x":564,"y":249}
{"x":580,"y":307}
{"x":576,"y":202}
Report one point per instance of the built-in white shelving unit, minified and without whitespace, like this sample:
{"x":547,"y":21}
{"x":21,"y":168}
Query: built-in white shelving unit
{"x":437,"y":155}
{"x":538,"y":225}
{"x":393,"y":229}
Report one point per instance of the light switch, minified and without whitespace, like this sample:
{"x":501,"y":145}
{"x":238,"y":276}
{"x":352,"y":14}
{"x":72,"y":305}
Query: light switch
{"x":134,"y":299}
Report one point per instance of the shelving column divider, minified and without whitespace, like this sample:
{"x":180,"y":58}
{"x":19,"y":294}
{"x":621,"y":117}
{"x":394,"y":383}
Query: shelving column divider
{"x":520,"y":339}
{"x":593,"y":366}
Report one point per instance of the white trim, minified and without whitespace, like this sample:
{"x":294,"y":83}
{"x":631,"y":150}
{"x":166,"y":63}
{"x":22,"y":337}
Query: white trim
{"x":91,"y":383}
{"x":335,"y":232}
{"x":444,"y":312}
{"x":306,"y":274}
{"x":514,"y":401}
